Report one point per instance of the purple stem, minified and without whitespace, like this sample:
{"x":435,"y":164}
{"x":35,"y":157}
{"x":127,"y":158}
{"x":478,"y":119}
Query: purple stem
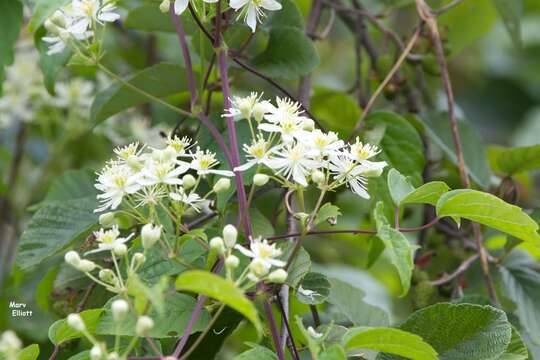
{"x":274,"y":330}
{"x":241,"y":193}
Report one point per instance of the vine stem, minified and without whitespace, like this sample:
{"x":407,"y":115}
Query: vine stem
{"x":427,"y":15}
{"x":274,"y":330}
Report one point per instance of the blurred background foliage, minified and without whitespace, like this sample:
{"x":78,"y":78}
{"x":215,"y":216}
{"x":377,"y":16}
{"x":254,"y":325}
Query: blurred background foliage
{"x":493,"y":49}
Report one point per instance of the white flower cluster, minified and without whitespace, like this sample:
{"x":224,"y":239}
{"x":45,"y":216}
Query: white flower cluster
{"x":119,"y":309}
{"x":77,"y":21}
{"x":142,"y":175}
{"x":263,"y":256}
{"x":286,"y":142}
{"x":251,"y":10}
{"x":10,"y":345}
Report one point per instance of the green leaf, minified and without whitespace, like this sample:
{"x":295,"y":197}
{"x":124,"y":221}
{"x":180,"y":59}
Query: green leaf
{"x":467,"y":22}
{"x":461,"y":331}
{"x":300,"y":266}
{"x":11,"y":17}
{"x":313,"y":289}
{"x":388,"y":340}
{"x":491,"y":211}
{"x":149,"y":18}
{"x":511,"y":12}
{"x":516,"y":350}
{"x":511,"y":161}
{"x":439,"y":131}
{"x":348,"y":300}
{"x":289,"y":54}
{"x":60,"y":331}
{"x":521,"y":284}
{"x":53,"y":228}
{"x":334,"y":352}
{"x":43,"y":10}
{"x":335,"y":110}
{"x":289,"y":15}
{"x":327,"y":211}
{"x":213,"y":286}
{"x":160,"y":80}
{"x":30,"y":352}
{"x":170,"y":322}
{"x":73,"y":184}
{"x":399,"y":249}
{"x":261,"y":225}
{"x":257,"y":353}
{"x":399,"y":186}
{"x":426,"y":194}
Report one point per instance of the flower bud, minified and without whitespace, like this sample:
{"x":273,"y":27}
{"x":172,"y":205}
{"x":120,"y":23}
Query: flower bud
{"x":222,"y":185}
{"x":165,"y":6}
{"x":107,"y":219}
{"x":260,"y":179}
{"x":218,"y":245}
{"x":106,"y":275}
{"x":58,"y":18}
{"x":232,"y":262}
{"x":96,"y":353}
{"x":308,"y":124}
{"x":230,"y":234}
{"x":278,"y":276}
{"x":119,"y":309}
{"x":51,"y":27}
{"x":188,"y":181}
{"x":138,"y":259}
{"x":150,"y":234}
{"x":318,"y":177}
{"x":86,"y":266}
{"x":314,"y":334}
{"x":120,"y":249}
{"x":258,"y":268}
{"x":113,"y":356}
{"x":374,"y":171}
{"x":76,"y":322}
{"x":9,"y":342}
{"x":259,"y":110}
{"x":144,"y":324}
{"x":72,"y":258}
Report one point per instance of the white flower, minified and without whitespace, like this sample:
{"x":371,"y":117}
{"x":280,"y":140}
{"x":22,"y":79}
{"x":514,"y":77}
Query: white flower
{"x":346,"y":170}
{"x":76,"y":94}
{"x":254,"y":10}
{"x":108,"y":239}
{"x":163,"y":173}
{"x":115,"y":182}
{"x":249,"y":106}
{"x":257,"y":153}
{"x":85,"y":12}
{"x":192,"y":199}
{"x":57,"y":44}
{"x":204,"y":161}
{"x":285,"y":119}
{"x":292,"y":161}
{"x":262,"y":251}
{"x":320,"y":143}
{"x":180,"y":145}
{"x":149,"y":195}
{"x":360,"y":151}
{"x":179,"y":5}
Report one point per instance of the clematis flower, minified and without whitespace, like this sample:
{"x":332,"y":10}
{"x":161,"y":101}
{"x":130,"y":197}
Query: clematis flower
{"x":108,"y":239}
{"x":115,"y":181}
{"x":204,"y":161}
{"x":264,"y":257}
{"x":292,"y":161}
{"x":193,"y":200}
{"x":257,"y":153}
{"x":179,"y":5}
{"x":253,"y":10}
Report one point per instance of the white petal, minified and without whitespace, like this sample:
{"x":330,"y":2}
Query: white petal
{"x":180,"y":6}
{"x":237,"y":4}
{"x":272,"y":5}
{"x":251,"y":18}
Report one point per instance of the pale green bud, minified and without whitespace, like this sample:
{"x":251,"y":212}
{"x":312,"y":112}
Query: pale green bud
{"x":318,"y":177}
{"x":86,"y":266}
{"x":96,"y":353}
{"x":222,"y":185}
{"x":76,"y":322}
{"x":138,"y":258}
{"x":72,"y":258}
{"x":232,"y":262}
{"x":106,"y":275}
{"x":258,"y":268}
{"x":107,"y":219}
{"x":260,"y":179}
{"x":278,"y":276}
{"x":230,"y":234}
{"x":308,"y":124}
{"x":120,"y":249}
{"x":144,"y":324}
{"x":165,"y":6}
{"x":150,"y":234}
{"x":218,"y":245}
{"x":119,"y":309}
{"x":188,"y":181}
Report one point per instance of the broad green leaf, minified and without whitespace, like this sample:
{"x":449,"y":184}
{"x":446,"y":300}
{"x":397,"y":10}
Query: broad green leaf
{"x":399,"y":186}
{"x":53,"y":228}
{"x":511,"y":12}
{"x":170,"y":322}
{"x":73,"y":184}
{"x":439,"y":131}
{"x":327,"y":211}
{"x":289,"y":15}
{"x":148,"y":17}
{"x":335,"y":110}
{"x":334,"y":352}
{"x":257,"y":353}
{"x":511,"y":161}
{"x":491,"y":211}
{"x":467,"y":22}
{"x":11,"y":17}
{"x":44,"y":9}
{"x":300,"y":266}
{"x":30,"y":352}
{"x":389,"y":340}
{"x":60,"y":331}
{"x":521,"y":284}
{"x":348,"y":300}
{"x":313,"y":289}
{"x":426,"y":194}
{"x":461,"y":331}
{"x":516,"y":350}
{"x":289,"y":54}
{"x":213,"y":286}
{"x":261,"y":225}
{"x":399,"y":249}
{"x":160,"y":81}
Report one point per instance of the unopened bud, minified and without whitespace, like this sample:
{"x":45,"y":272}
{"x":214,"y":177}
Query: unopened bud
{"x":138,"y":258}
{"x":107,"y":219}
{"x":308,"y":124}
{"x":86,"y":266}
{"x":72,"y":258}
{"x":232,"y":262}
{"x":144,"y":324}
{"x":120,"y":249}
{"x":165,"y":6}
{"x":188,"y":181}
{"x":150,"y":234}
{"x":75,"y":321}
{"x":58,"y":18}
{"x":113,"y":356}
{"x":218,"y":245}
{"x":119,"y":309}
{"x":258,"y":268}
{"x":96,"y":353}
{"x":230,"y":234}
{"x":318,"y":177}
{"x":260,"y":179}
{"x":222,"y":185}
{"x":259,"y":110}
{"x":106,"y":275}
{"x":278,"y":276}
